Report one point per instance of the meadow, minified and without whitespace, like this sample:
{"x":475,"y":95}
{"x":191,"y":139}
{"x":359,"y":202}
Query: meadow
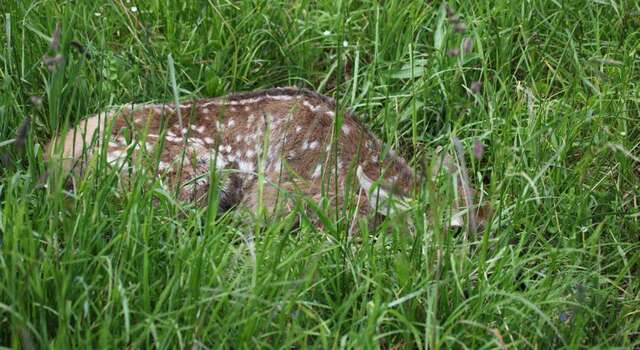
{"x":549,"y":88}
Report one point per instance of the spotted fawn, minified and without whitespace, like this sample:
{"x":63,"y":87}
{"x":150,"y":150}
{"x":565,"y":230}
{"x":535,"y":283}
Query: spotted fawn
{"x":286,"y":136}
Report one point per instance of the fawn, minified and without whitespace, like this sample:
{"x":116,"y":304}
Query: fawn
{"x":286,"y":135}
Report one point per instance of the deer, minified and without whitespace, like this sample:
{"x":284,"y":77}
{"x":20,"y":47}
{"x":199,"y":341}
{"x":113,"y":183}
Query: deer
{"x":270,"y":147}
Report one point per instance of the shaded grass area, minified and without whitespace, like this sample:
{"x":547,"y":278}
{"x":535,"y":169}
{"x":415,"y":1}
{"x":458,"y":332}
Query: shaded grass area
{"x":558,"y":111}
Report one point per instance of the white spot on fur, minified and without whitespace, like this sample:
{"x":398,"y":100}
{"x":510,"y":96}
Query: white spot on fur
{"x":276,"y":165}
{"x":317,"y":171}
{"x":221,"y":162}
{"x":246,"y":167}
{"x":281,"y":97}
{"x":310,"y":106}
{"x":196,"y":141}
{"x":213,"y":102}
{"x":174,"y":139}
{"x":271,"y":155}
{"x":162,"y":166}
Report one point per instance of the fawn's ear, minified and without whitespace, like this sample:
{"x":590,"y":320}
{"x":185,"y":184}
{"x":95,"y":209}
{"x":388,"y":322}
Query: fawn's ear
{"x":483,"y":215}
{"x":380,"y":199}
{"x":444,"y":162}
{"x":481,"y":211}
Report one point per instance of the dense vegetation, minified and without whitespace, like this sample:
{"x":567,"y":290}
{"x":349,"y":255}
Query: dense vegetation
{"x":549,"y":87}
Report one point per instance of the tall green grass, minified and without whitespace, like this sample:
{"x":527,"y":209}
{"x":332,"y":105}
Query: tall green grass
{"x":558,"y":113}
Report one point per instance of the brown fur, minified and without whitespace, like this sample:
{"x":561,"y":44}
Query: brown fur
{"x":295,"y":125}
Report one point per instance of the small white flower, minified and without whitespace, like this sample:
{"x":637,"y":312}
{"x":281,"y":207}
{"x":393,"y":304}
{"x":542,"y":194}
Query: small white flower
{"x":97,"y":14}
{"x":134,"y":9}
{"x":326,"y":33}
{"x":345,"y":43}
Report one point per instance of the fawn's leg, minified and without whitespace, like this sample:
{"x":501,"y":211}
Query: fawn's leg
{"x":321,"y":207}
{"x":276,"y":199}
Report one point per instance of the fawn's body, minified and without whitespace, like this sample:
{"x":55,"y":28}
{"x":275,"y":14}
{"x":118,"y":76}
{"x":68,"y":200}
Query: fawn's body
{"x":287,"y":134}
